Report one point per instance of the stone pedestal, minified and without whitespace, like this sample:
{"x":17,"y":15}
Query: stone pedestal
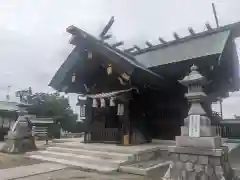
{"x":200,"y":164}
{"x":199,"y":142}
{"x":19,"y":145}
{"x":20,"y":138}
{"x":198,"y":154}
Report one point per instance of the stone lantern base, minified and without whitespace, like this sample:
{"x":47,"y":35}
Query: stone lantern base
{"x":190,"y":163}
{"x":19,"y":145}
{"x":199,"y":142}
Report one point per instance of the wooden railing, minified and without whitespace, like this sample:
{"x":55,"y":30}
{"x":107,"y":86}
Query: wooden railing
{"x":102,"y":135}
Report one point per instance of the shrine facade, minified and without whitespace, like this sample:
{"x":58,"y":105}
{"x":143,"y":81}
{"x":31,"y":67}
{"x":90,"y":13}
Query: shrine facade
{"x":131,"y":96}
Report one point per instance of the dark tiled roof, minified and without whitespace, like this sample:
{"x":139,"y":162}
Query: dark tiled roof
{"x":122,"y":60}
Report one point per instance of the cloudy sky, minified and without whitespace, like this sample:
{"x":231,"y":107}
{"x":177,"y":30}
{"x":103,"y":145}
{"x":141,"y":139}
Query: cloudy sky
{"x":34,"y":43}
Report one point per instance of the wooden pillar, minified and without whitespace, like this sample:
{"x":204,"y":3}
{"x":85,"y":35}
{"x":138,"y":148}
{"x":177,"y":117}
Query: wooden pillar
{"x":125,"y":134}
{"x":85,"y":115}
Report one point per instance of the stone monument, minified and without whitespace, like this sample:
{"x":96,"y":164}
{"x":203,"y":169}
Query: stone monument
{"x":20,"y":138}
{"x":198,"y":154}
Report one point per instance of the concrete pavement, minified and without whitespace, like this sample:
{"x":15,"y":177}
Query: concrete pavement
{"x":25,"y":171}
{"x":1,"y":145}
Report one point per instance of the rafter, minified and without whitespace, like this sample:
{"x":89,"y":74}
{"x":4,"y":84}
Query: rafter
{"x":162,"y":40}
{"x":208,"y":26}
{"x":129,"y":49}
{"x":149,"y":44}
{"x":191,"y":31}
{"x":137,"y":47}
{"x":106,"y":37}
{"x":176,"y":36}
{"x":120,"y":43}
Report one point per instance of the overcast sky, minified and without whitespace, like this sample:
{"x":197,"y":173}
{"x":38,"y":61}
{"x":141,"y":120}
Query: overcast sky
{"x":34,"y":42}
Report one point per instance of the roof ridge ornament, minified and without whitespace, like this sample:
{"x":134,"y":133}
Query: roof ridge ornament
{"x":103,"y":35}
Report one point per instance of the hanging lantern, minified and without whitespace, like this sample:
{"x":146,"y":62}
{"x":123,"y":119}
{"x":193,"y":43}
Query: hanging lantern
{"x":112,"y":102}
{"x":95,"y":103}
{"x":120,"y":110}
{"x":109,"y":69}
{"x":89,"y":55}
{"x":103,"y":103}
{"x":74,"y":78}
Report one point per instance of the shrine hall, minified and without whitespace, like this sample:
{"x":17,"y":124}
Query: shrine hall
{"x":134,"y":95}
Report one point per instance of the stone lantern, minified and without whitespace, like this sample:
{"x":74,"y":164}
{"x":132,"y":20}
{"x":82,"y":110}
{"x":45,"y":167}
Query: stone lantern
{"x":198,"y":153}
{"x":197,"y":124}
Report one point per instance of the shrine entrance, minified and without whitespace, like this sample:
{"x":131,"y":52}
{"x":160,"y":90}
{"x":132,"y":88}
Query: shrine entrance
{"x":106,"y":126}
{"x":105,"y":116}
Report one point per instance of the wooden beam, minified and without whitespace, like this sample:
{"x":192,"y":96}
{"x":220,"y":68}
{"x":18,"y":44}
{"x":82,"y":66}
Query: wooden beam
{"x":208,"y":26}
{"x":191,"y":31}
{"x":176,"y":36}
{"x":162,"y":40}
{"x":107,"y":27}
{"x":117,"y":44}
{"x":149,"y":44}
{"x":137,"y":47}
{"x":215,"y":15}
{"x":129,"y":49}
{"x":106,"y":37}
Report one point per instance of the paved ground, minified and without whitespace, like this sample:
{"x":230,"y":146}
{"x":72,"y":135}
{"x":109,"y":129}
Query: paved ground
{"x":74,"y":174}
{"x":1,"y":144}
{"x":42,"y":170}
{"x":15,"y":160}
{"x":25,"y":171}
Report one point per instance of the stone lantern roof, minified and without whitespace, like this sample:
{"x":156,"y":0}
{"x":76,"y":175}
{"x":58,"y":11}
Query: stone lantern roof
{"x":193,"y":77}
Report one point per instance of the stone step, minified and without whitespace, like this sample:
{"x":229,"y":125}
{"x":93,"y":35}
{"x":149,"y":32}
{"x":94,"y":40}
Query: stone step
{"x":84,"y":165}
{"x":101,"y":154}
{"x":155,"y":168}
{"x":101,"y":147}
{"x":80,"y":158}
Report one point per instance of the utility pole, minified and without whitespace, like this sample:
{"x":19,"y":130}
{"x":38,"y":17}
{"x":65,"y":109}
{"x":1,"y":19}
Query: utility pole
{"x":221,"y":109}
{"x":8,"y":93}
{"x":215,"y":15}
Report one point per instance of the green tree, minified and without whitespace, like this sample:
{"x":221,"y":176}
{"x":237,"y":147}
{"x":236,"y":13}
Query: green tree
{"x":54,"y":106}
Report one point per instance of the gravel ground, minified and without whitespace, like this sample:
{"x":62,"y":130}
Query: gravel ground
{"x":15,"y":160}
{"x":10,"y":161}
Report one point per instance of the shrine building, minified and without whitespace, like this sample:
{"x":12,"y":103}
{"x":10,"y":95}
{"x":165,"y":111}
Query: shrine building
{"x":133,"y":96}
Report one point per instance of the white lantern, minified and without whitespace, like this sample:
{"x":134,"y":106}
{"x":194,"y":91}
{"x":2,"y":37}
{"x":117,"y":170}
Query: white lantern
{"x":103,"y":103}
{"x":95,"y":103}
{"x":74,"y":78}
{"x":120,"y":110}
{"x":90,"y":55}
{"x":109,"y":69}
{"x":112,"y":102}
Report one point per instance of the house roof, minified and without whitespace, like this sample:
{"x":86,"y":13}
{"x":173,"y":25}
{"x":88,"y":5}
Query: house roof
{"x":209,"y":44}
{"x":139,"y":62}
{"x":123,"y":61}
{"x":42,"y":121}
